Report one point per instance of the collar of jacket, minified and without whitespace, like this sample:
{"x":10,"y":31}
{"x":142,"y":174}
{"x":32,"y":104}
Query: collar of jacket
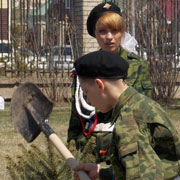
{"x":124,"y":97}
{"x":127,"y":55}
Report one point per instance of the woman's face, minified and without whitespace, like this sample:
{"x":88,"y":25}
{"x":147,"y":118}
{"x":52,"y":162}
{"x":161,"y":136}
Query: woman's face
{"x":107,"y":38}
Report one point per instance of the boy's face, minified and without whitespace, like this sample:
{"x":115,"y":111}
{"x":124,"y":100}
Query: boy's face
{"x":96,"y":94}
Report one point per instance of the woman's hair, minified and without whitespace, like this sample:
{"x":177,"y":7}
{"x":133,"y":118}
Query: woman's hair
{"x":113,"y":21}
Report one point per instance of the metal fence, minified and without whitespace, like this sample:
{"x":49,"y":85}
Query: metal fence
{"x":35,"y":36}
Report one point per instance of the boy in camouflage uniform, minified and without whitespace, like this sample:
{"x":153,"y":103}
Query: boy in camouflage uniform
{"x":144,"y":143}
{"x":138,"y":77}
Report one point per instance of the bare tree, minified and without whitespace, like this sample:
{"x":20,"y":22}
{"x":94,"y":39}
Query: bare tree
{"x":157,"y":44}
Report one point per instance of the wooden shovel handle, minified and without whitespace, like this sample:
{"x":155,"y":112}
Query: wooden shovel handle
{"x":71,"y":161}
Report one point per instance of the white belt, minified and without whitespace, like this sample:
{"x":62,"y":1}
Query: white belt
{"x":104,"y":127}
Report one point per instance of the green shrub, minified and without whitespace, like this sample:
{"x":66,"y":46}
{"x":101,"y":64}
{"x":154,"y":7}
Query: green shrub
{"x":35,"y":164}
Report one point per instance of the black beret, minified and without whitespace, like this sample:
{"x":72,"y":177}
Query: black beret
{"x":97,"y":12}
{"x":101,"y":64}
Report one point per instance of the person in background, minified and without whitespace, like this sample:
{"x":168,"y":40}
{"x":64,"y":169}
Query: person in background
{"x":106,"y":24}
{"x":144,"y":143}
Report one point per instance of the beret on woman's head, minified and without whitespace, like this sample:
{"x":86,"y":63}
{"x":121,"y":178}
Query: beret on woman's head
{"x":97,"y":12}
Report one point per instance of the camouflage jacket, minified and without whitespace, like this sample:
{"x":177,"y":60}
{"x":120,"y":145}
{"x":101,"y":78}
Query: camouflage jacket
{"x":144,"y":145}
{"x":138,"y":77}
{"x":138,"y":73}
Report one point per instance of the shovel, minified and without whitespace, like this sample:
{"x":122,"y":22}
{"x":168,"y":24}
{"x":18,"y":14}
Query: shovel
{"x":30,"y":109}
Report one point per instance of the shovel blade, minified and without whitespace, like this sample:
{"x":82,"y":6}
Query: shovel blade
{"x":25,"y":95}
{"x":26,"y":125}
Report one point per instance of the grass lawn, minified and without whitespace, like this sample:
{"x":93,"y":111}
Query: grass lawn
{"x":10,"y":138}
{"x":59,"y":122}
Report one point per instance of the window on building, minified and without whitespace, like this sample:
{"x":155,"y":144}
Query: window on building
{"x":68,"y":4}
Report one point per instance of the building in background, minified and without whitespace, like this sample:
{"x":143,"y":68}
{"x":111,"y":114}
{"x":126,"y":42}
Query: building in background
{"x":4,"y":20}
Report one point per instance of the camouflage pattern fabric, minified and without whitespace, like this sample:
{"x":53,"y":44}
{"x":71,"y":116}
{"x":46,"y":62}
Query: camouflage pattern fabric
{"x":145,"y":145}
{"x":138,"y":77}
{"x":138,"y":73}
